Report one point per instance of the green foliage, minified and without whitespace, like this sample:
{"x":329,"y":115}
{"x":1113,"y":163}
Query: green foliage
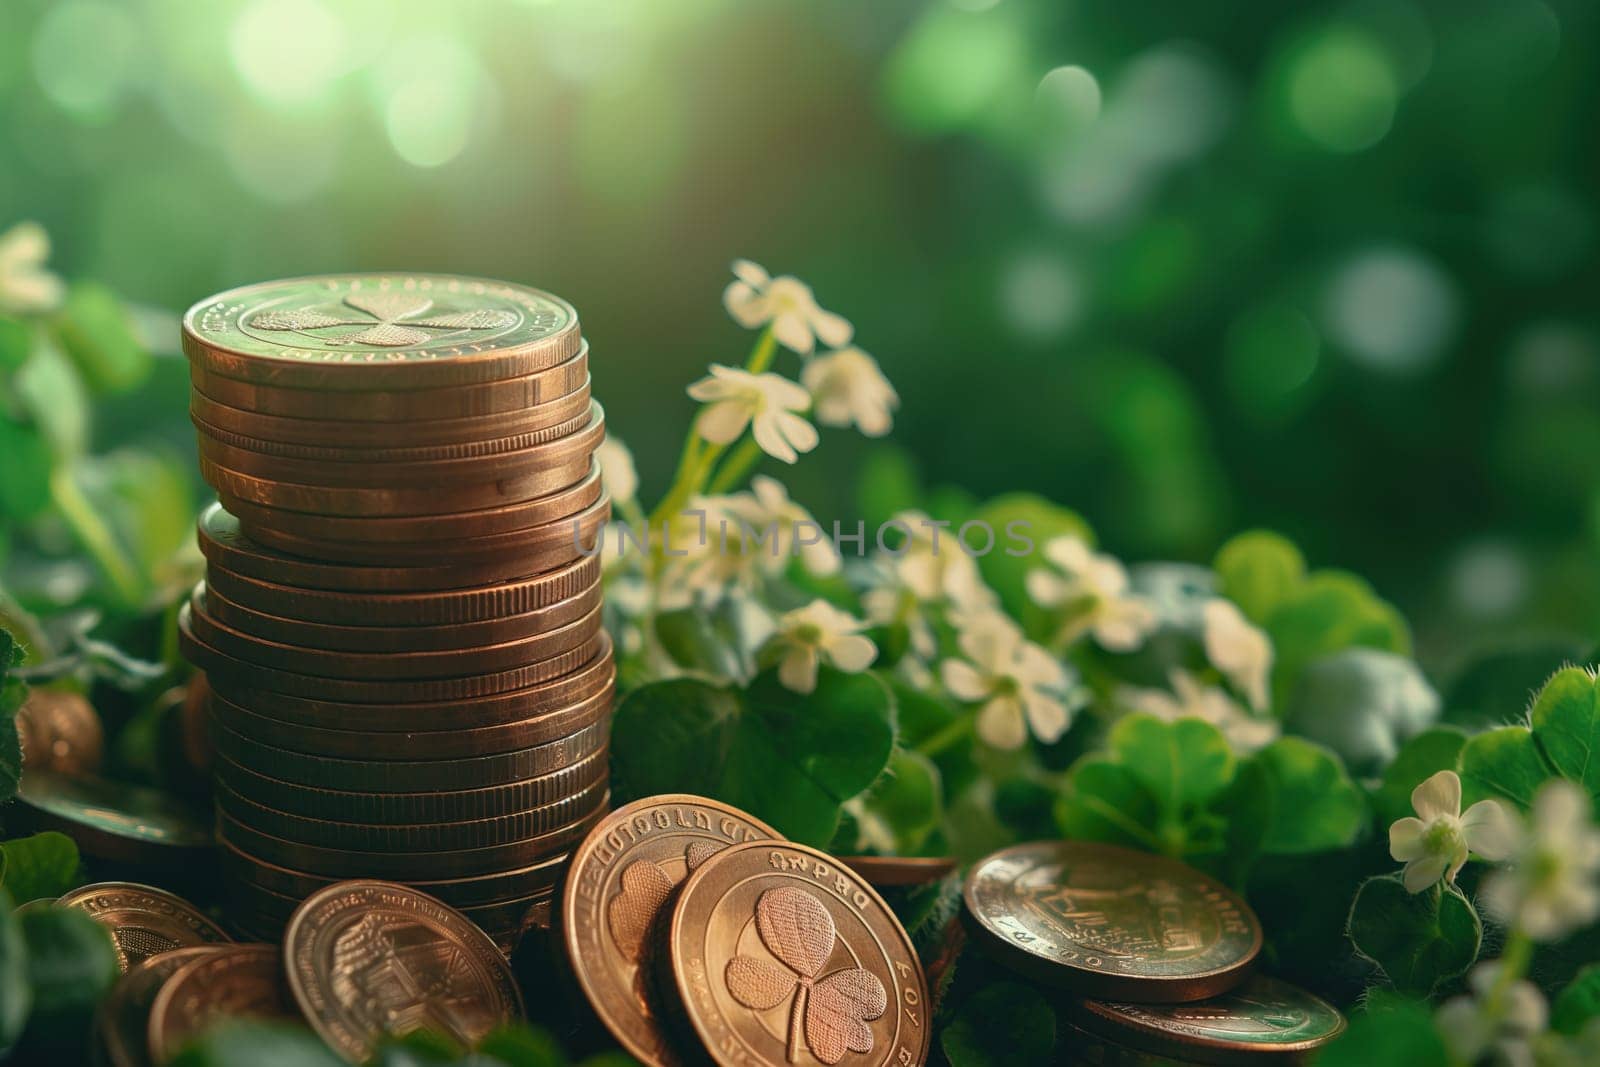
{"x":1315,"y":805}
{"x":12,"y":694}
{"x":1578,"y":1003}
{"x":43,"y":865}
{"x":904,"y":807}
{"x":1503,"y":764}
{"x":1037,"y":519}
{"x":25,"y":489}
{"x":16,"y":992}
{"x":1391,"y":1032}
{"x":790,"y":759}
{"x":245,"y":1043}
{"x":1566,"y":724}
{"x":71,"y":964}
{"x":1418,"y":940}
{"x":93,"y":329}
{"x":1362,"y":703}
{"x":1431,"y":751}
{"x":1000,"y":1024}
{"x":1258,"y":570}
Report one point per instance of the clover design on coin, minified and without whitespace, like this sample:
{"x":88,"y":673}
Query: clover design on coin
{"x":828,"y":1012}
{"x":645,"y":888}
{"x":384,"y":320}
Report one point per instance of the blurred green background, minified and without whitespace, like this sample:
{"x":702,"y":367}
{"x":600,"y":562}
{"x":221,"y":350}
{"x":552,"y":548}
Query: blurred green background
{"x":1186,"y":267}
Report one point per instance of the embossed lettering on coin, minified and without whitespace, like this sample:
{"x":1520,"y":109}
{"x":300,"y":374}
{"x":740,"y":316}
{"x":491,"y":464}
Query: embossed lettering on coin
{"x":144,"y":921}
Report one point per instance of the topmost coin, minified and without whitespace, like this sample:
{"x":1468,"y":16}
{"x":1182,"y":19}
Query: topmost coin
{"x":380,"y":331}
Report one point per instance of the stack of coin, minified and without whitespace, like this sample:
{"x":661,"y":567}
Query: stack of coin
{"x":400,"y":622}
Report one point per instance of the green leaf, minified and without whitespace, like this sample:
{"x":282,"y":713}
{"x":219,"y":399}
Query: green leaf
{"x":694,"y":642}
{"x":1183,"y":764}
{"x":242,"y":1043}
{"x":1419,"y":939}
{"x":1328,"y":612}
{"x":16,"y":342}
{"x":523,"y":1046}
{"x":1397,"y":1034}
{"x":888,"y":485}
{"x":1105,"y":801}
{"x":1431,"y":751}
{"x":94,"y":330}
{"x":71,"y":964}
{"x":1503,"y":764}
{"x":1579,"y":1001}
{"x":1258,"y":570}
{"x":12,"y":693}
{"x":147,"y":499}
{"x":16,"y":994}
{"x":25,"y":462}
{"x":1002,"y":1024}
{"x":672,"y":737}
{"x":904,"y":807}
{"x":1317,"y":807}
{"x":1249,"y":807}
{"x":44,"y":865}
{"x":1496,"y":688}
{"x":1023,"y":524}
{"x":1566,"y":724}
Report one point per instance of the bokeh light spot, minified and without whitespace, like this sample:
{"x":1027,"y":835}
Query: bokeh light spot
{"x":1270,"y":354}
{"x":288,"y":51}
{"x":952,"y":67}
{"x":1489,"y":579}
{"x":1342,"y":91}
{"x":1391,"y":309}
{"x":82,"y":56}
{"x":1171,"y":104}
{"x":1068,"y":99}
{"x":1041,"y":295}
{"x":432,"y":100}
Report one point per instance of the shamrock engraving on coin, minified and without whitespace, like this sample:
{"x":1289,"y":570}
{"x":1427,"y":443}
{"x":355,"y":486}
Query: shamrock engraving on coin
{"x":1111,"y":922}
{"x":367,"y":959}
{"x":1262,"y":1019}
{"x":621,"y":878}
{"x":782,"y":954}
{"x":144,"y":921}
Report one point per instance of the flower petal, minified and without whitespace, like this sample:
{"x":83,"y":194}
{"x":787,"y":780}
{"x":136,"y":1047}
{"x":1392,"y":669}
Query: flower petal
{"x":1047,"y":717}
{"x":797,"y":431}
{"x":1425,"y":871}
{"x":833,"y":330}
{"x":853,"y":653}
{"x":1000,"y":724}
{"x":1437,"y":796}
{"x":751,"y":273}
{"x":771,"y":439}
{"x":746,"y":306}
{"x":798,"y":669}
{"x":963,"y":680}
{"x":1491,"y":830}
{"x":1405,"y":839}
{"x":723,"y":422}
{"x":791,"y":330}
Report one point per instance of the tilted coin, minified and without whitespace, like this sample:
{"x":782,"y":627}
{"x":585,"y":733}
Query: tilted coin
{"x":900,"y":870}
{"x":112,"y":820}
{"x":225,"y":669}
{"x":413,"y":776}
{"x":413,"y":866}
{"x":465,"y":433}
{"x":537,"y":548}
{"x":621,"y":878}
{"x":565,"y":503}
{"x":264,"y":907}
{"x":424,"y":665}
{"x":1263,"y":1020}
{"x":144,"y":921}
{"x":224,"y":544}
{"x":399,"y":405}
{"x":1109,"y":922}
{"x":61,"y":732}
{"x":122,"y":1022}
{"x":366,"y":959}
{"x":544,"y":702}
{"x":241,"y":981}
{"x":454,"y":607}
{"x":779,"y":951}
{"x":363,"y":331}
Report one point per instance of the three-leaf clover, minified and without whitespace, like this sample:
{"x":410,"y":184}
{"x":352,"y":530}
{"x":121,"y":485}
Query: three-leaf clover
{"x":829,"y":1013}
{"x":399,"y":320}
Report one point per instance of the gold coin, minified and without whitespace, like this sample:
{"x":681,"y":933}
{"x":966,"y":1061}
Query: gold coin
{"x":144,"y":921}
{"x":368,"y":959}
{"x":368,"y":331}
{"x":237,"y":981}
{"x":779,"y":951}
{"x":1109,"y":922}
{"x":122,"y":1022}
{"x":884,"y":871}
{"x":622,"y":877}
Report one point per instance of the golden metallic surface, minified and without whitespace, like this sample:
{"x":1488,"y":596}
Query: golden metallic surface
{"x":366,"y":959}
{"x":144,"y":921}
{"x":61,"y":732}
{"x":1110,"y":923}
{"x":122,"y":1021}
{"x":240,"y":981}
{"x":900,"y":870}
{"x":781,"y":954}
{"x":621,"y":879}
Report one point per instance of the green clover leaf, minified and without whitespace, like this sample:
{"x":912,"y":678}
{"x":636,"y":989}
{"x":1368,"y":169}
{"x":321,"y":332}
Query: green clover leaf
{"x":43,"y":865}
{"x":1316,"y":806}
{"x":1419,"y":940}
{"x":1002,"y":1023}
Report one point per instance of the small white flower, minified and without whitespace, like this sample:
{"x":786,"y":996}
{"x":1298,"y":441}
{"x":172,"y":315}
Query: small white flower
{"x":1192,"y":699}
{"x":777,"y":522}
{"x":767,"y":403}
{"x":1552,"y":884}
{"x":847,"y":387}
{"x":934,"y":567}
{"x":1094,"y":587}
{"x":25,"y":285}
{"x":1019,"y":684}
{"x":1435,"y":844}
{"x":1241,"y":651}
{"x":815,"y":634}
{"x":617,"y":470}
{"x":1471,"y":1031}
{"x":755,"y":298}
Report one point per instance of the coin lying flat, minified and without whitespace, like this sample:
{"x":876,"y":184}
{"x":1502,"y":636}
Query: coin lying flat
{"x":778,"y":951}
{"x":144,"y":921}
{"x":622,"y":876}
{"x":366,"y":331}
{"x":239,"y":981}
{"x":900,"y":870}
{"x":366,"y":959}
{"x":112,"y":820}
{"x":1262,"y":1020}
{"x":1110,"y":922}
{"x":122,"y":1022}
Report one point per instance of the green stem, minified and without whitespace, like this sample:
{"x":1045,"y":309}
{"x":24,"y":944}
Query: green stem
{"x":740,"y":463}
{"x":1514,"y":960}
{"x":93,"y":534}
{"x":761,"y":356}
{"x":951,"y":734}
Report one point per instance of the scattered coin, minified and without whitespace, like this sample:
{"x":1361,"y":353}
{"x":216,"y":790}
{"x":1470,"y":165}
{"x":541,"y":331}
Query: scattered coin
{"x":240,"y":981}
{"x":778,"y":951}
{"x":113,"y":820}
{"x":144,"y":921}
{"x":61,"y":732}
{"x":1263,"y":1020}
{"x":900,"y":870}
{"x":1110,"y":922}
{"x":366,"y":959}
{"x":122,"y":1022}
{"x":621,"y":878}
